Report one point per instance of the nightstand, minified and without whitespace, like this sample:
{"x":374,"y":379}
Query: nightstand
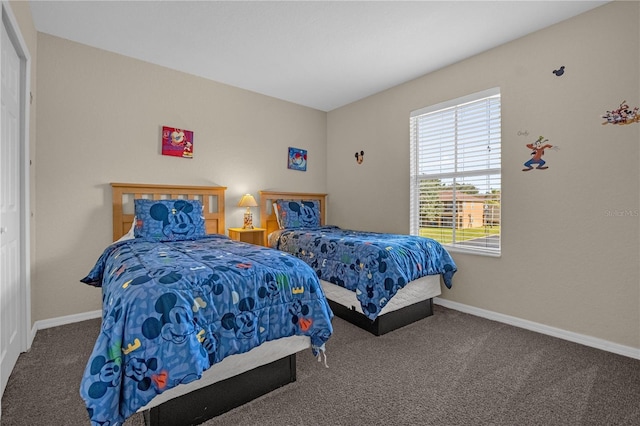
{"x":254,"y":236}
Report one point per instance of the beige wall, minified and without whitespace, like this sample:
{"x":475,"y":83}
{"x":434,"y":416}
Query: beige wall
{"x":99,"y":116}
{"x":99,"y":121}
{"x":568,"y":260}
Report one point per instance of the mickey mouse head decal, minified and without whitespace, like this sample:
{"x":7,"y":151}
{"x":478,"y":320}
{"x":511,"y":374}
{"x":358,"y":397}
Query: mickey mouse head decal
{"x":360,"y":157}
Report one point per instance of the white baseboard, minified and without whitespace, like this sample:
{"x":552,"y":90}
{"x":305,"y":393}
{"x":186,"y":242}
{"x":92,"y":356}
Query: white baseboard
{"x":582,"y":339}
{"x":68,"y":319}
{"x":543,"y":329}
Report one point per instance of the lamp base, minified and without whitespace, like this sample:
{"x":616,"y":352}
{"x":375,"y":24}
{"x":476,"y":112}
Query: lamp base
{"x":248,"y":221}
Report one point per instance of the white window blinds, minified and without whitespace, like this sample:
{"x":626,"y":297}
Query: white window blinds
{"x":456,"y":173}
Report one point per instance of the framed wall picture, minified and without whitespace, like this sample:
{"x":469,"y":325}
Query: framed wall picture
{"x":177,"y":142}
{"x":297,"y":159}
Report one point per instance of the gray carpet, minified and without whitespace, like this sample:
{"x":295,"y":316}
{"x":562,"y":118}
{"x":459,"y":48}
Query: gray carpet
{"x":448,"y":369}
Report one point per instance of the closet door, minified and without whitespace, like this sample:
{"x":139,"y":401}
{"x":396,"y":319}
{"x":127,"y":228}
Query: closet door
{"x":11,"y":299}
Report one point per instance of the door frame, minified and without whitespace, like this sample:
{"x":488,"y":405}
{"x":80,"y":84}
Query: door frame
{"x":13,"y":29}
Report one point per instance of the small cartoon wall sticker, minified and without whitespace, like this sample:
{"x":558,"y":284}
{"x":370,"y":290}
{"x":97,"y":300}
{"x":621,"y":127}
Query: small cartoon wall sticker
{"x":559,"y":71}
{"x":538,"y":148}
{"x":360,"y":157}
{"x":622,"y":115}
{"x":177,"y":142}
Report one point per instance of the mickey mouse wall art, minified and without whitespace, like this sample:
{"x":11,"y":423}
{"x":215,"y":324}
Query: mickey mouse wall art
{"x":297,"y":159}
{"x":624,"y":114}
{"x":177,"y":142}
{"x":360,"y":157}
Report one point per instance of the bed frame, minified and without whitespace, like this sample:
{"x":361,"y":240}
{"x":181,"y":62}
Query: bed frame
{"x":386,"y":322}
{"x":223,"y":391}
{"x":268,"y":219}
{"x":383,"y":323}
{"x":210,"y":401}
{"x":212,"y":198}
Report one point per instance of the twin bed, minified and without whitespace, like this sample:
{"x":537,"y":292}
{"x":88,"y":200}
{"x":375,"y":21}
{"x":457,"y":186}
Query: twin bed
{"x":195,"y":324}
{"x":377,"y":281}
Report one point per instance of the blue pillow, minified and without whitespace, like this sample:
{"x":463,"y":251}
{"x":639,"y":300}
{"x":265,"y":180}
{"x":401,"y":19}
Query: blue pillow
{"x":298,"y":213}
{"x":169,"y":220}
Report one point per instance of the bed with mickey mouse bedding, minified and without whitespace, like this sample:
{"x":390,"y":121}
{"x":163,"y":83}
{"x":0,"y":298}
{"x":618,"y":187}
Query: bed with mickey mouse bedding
{"x":178,"y":303}
{"x":378,"y":281}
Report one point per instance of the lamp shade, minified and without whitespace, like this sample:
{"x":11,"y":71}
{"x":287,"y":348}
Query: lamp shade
{"x":247,"y":200}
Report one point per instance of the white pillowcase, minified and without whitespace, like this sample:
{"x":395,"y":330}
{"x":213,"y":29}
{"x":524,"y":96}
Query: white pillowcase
{"x":129,"y":235}
{"x":275,"y":210}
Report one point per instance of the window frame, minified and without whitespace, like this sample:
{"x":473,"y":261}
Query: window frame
{"x":489,"y":171}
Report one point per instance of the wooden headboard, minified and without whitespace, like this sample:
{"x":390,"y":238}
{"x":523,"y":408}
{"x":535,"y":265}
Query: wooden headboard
{"x":268,"y":219}
{"x":212,"y":198}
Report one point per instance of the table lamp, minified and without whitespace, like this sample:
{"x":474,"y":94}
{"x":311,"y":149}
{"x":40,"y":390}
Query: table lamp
{"x":247,"y":201}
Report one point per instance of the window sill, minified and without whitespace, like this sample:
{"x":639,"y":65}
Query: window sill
{"x":463,"y":250}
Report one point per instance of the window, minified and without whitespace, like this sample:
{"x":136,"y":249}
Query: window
{"x":456,"y":173}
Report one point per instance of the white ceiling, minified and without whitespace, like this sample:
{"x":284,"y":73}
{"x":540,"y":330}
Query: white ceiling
{"x":321,"y":54}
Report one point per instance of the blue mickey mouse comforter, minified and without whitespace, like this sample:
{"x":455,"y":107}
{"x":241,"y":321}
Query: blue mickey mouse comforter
{"x":173,"y":309}
{"x":374,"y":265}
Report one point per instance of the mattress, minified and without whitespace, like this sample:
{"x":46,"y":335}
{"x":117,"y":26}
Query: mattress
{"x":415,"y":291}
